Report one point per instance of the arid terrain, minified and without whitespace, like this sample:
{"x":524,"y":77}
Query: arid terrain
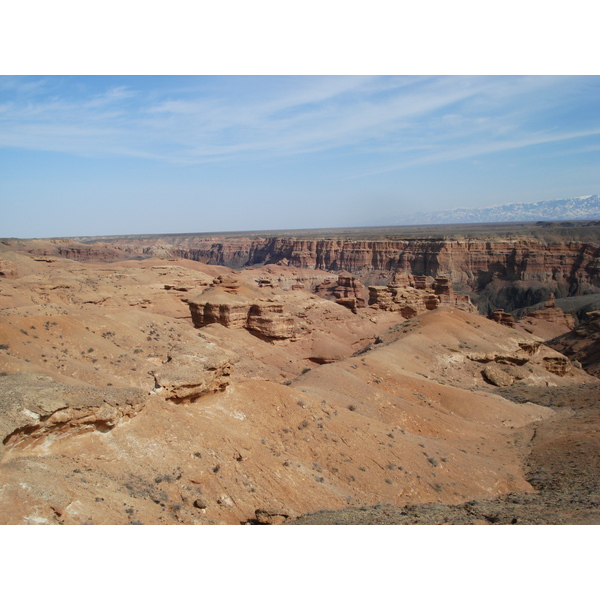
{"x":396,"y":376}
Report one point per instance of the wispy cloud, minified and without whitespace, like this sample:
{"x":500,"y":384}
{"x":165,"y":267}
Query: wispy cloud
{"x":483,"y":149}
{"x":414,"y":120}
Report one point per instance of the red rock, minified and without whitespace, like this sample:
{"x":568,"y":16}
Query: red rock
{"x":496,"y":376}
{"x":502,"y":317}
{"x":417,"y":297}
{"x":192,"y":371}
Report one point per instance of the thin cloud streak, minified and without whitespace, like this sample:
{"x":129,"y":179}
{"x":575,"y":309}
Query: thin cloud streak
{"x":276,"y":117}
{"x":483,"y":150}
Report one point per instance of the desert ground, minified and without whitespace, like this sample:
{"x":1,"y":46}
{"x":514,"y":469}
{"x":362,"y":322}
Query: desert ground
{"x":283,"y":381}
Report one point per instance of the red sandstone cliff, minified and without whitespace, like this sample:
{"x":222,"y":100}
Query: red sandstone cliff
{"x":503,"y":273}
{"x":461,"y":260}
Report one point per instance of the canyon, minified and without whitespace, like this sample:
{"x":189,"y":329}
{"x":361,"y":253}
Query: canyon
{"x":256,"y":379}
{"x":498,"y":266}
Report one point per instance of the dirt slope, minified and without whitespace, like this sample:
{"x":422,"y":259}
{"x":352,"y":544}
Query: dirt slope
{"x":562,"y":465}
{"x":235,"y":427}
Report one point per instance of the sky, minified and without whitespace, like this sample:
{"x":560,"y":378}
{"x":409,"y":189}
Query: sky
{"x":110,"y":155}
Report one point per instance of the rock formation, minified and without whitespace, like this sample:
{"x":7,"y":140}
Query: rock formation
{"x":502,"y":317}
{"x":497,"y":377}
{"x":582,"y":344}
{"x":347,"y":291}
{"x":192,"y":371}
{"x":506,"y":271}
{"x":550,"y":314}
{"x":34,"y":408}
{"x":563,"y":267}
{"x":411,"y":296}
{"x":236,"y":306}
{"x":350,"y":292}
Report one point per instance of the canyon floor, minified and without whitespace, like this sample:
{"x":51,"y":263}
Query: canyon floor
{"x":168,"y":391}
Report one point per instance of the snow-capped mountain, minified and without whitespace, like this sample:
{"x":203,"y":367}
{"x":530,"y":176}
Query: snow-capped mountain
{"x":568,"y":209}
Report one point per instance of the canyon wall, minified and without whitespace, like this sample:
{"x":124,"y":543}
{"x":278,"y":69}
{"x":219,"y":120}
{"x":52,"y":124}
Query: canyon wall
{"x":496,"y":271}
{"x":501,"y":273}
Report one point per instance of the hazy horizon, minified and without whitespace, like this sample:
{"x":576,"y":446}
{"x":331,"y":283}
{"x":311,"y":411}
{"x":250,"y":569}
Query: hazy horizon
{"x":127,"y":155}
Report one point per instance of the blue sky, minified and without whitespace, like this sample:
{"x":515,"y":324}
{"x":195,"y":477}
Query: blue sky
{"x":102,"y":155}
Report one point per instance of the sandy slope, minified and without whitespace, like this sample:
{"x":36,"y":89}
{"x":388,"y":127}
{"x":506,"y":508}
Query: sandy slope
{"x":410,"y":419}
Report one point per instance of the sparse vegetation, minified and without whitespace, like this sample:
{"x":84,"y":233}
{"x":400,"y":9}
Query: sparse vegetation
{"x":261,"y":407}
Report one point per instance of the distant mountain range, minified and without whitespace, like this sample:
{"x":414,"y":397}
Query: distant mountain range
{"x":570,"y":209}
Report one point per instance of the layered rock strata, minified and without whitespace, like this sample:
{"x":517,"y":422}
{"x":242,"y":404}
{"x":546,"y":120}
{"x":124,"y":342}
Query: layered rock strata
{"x":502,"y":272}
{"x":570,"y":266}
{"x":417,"y":295}
{"x":552,"y":314}
{"x":193,"y":371}
{"x":503,"y":368}
{"x":502,"y":317}
{"x":582,"y":344}
{"x":34,"y":407}
{"x":347,"y":291}
{"x":236,"y":306}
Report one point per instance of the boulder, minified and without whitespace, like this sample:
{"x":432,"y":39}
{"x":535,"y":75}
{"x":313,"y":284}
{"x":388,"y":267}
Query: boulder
{"x":193,"y":371}
{"x":497,"y":377}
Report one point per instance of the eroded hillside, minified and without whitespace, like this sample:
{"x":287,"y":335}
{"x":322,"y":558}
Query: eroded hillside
{"x":170,"y":391}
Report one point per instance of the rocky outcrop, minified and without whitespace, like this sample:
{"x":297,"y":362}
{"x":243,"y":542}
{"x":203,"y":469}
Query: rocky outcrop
{"x":347,"y":291}
{"x":497,"y":377}
{"x":502,"y":317}
{"x":270,"y":320}
{"x":582,"y":344}
{"x":265,"y":282}
{"x":8,"y":269}
{"x":237,"y":306}
{"x":33,"y":407}
{"x":350,"y":292}
{"x":193,"y":371}
{"x":503,"y":368}
{"x":411,"y":296}
{"x":551,"y":314}
{"x":559,"y":365}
